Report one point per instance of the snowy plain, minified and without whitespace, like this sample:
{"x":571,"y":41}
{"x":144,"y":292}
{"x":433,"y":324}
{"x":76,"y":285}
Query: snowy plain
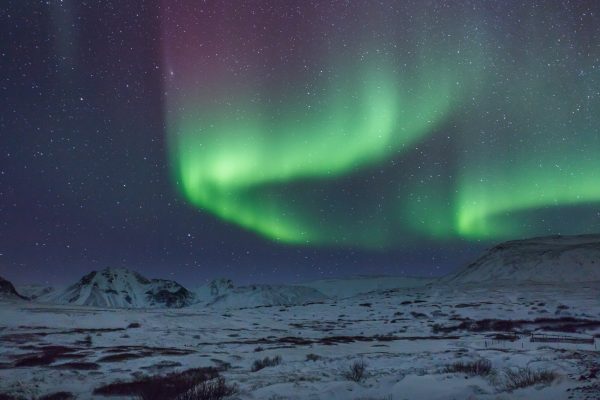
{"x":524,"y":308}
{"x":406,"y":337}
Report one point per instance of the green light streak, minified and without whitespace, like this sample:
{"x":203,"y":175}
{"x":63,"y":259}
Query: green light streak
{"x":226,"y":159}
{"x":525,"y":147}
{"x":482,"y":206}
{"x":514,"y":128}
{"x":543,"y":152}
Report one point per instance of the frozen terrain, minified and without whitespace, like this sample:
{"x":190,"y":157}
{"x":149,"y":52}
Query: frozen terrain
{"x":417,"y":341}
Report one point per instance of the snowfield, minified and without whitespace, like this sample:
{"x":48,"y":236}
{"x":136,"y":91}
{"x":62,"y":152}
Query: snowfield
{"x":521,"y":322}
{"x":407,"y":337}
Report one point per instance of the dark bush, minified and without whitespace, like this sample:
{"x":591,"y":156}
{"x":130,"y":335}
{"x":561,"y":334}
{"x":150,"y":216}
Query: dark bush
{"x":356,"y":371}
{"x":215,"y":389}
{"x":160,"y":387}
{"x":265,"y":362}
{"x":312,"y":357}
{"x":524,"y":377}
{"x":479,"y":367}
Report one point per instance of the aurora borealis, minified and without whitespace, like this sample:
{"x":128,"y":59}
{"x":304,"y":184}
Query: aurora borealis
{"x":255,"y":123}
{"x":288,"y":140}
{"x":239,"y":165}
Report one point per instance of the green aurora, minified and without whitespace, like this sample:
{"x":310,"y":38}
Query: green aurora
{"x":239,"y":156}
{"x":284,"y":163}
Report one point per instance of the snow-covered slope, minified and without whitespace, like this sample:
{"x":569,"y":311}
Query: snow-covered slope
{"x":218,"y":287}
{"x":122,"y":288}
{"x":553,"y":259}
{"x":267,"y":295}
{"x":222,"y":293}
{"x":349,"y":287}
{"x":34,"y":291}
{"x":8,"y":291}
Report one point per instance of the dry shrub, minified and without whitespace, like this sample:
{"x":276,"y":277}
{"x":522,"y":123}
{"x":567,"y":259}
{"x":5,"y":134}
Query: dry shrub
{"x":356,"y":372}
{"x":160,"y":387}
{"x":215,"y":389}
{"x":265,"y":362}
{"x":480,"y":367}
{"x":524,"y":377}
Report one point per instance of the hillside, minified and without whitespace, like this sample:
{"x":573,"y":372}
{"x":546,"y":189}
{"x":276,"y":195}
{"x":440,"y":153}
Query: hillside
{"x":553,"y":259}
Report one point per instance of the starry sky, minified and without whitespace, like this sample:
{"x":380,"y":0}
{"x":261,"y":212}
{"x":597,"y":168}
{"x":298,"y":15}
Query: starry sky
{"x":272,"y":141}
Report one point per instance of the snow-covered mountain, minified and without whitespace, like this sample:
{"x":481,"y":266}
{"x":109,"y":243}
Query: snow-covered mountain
{"x":8,"y":291}
{"x":348,"y":287}
{"x":34,"y":291}
{"x":122,"y":288}
{"x":553,"y":259}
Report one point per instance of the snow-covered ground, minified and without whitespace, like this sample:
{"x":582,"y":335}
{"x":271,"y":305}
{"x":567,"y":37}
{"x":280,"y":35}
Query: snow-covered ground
{"x":406,"y":336}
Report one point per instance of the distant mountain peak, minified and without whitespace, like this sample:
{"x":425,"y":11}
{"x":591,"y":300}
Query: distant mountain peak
{"x":7,"y":290}
{"x":120,"y":287}
{"x":111,"y":274}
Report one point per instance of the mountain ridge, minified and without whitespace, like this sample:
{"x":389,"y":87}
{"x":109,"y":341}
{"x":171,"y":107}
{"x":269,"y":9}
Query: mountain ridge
{"x":547,"y":259}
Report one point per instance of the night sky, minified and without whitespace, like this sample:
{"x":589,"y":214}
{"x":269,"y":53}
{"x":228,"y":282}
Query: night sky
{"x":278,"y":141}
